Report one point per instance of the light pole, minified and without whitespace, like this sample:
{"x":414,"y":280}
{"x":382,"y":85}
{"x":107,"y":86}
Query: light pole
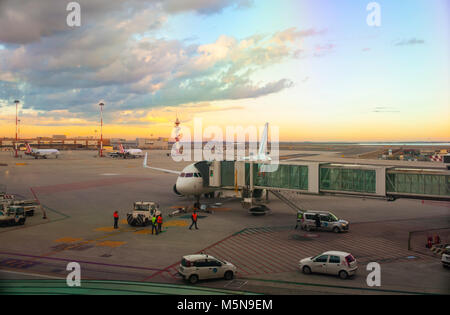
{"x":17,"y":104}
{"x":101,"y":128}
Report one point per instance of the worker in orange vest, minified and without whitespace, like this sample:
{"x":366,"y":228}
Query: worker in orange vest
{"x":194,"y":220}
{"x":116,"y":219}
{"x":159,"y":220}
{"x":437,"y":239}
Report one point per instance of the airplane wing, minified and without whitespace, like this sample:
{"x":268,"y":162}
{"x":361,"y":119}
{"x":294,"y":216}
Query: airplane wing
{"x":144,"y":164}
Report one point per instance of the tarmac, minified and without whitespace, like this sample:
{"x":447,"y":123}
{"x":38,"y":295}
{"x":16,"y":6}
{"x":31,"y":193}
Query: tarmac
{"x":79,"y":193}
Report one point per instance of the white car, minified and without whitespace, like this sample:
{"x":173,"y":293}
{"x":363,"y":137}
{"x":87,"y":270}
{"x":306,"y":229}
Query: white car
{"x":341,"y":264}
{"x":202,"y":266}
{"x":446,"y":257}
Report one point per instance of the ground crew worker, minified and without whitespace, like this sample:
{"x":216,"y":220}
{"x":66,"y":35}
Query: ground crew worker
{"x":154,"y":226}
{"x":159,"y":220}
{"x":299,"y":218}
{"x":194,"y":218}
{"x":317,"y":218}
{"x":116,"y":220}
{"x":429,"y":242}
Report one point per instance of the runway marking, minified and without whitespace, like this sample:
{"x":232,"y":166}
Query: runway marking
{"x":143,"y":232}
{"x":178,"y":223}
{"x":18,"y":263}
{"x":106,"y":229}
{"x":67,"y":240}
{"x":112,"y":244}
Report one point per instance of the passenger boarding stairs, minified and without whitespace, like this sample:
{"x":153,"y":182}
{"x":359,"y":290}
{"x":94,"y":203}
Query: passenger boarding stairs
{"x":283,"y":198}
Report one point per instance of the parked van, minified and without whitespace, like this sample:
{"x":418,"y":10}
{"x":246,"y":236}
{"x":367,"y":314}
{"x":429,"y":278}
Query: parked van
{"x":328,"y":222}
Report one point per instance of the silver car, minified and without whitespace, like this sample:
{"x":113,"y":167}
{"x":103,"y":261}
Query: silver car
{"x":202,"y":266}
{"x":328,"y":222}
{"x":336,"y":263}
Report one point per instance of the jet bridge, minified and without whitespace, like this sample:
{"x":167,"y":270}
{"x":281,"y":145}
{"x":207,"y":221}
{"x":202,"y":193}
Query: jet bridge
{"x":330,"y":178}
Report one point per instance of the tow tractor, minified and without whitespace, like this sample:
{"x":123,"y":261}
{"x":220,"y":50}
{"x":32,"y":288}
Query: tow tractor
{"x":12,"y":215}
{"x":30,"y":206}
{"x":143,"y":212}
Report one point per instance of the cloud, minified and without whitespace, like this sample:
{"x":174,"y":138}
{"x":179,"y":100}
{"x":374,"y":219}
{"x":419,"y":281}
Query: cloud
{"x":24,"y":21}
{"x":117,"y":55}
{"x":385,"y":109}
{"x":203,"y":6}
{"x":129,"y":73}
{"x":409,"y":42}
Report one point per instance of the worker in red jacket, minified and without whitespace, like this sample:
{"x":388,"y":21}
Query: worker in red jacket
{"x":116,"y":219}
{"x":159,"y":220}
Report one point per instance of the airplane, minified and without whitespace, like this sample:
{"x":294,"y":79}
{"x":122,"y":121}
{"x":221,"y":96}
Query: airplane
{"x":190,"y":179}
{"x":41,"y":153}
{"x":133,"y":153}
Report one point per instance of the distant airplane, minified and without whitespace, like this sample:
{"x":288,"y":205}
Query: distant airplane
{"x":190,"y":180}
{"x":41,"y":153}
{"x":128,"y":153}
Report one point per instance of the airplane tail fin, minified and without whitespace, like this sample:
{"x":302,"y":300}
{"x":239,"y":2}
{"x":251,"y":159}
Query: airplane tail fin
{"x":121,"y":148}
{"x":144,"y":164}
{"x":263,"y":144}
{"x":28,"y":148}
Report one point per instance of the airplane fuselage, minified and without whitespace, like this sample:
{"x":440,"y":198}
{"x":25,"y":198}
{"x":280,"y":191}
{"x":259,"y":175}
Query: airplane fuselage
{"x":190,"y":182}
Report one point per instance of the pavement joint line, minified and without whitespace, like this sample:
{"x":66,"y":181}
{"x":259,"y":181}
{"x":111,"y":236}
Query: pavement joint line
{"x":80,"y":261}
{"x":343,"y":287}
{"x":30,"y":274}
{"x":264,"y":263}
{"x":128,"y":283}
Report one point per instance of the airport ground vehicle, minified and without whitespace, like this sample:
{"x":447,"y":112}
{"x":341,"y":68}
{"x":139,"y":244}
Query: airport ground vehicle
{"x":12,"y":215}
{"x":143,"y":212}
{"x":30,"y":206}
{"x":337,"y":263}
{"x":446,"y":257}
{"x":202,"y":266}
{"x":328,"y":222}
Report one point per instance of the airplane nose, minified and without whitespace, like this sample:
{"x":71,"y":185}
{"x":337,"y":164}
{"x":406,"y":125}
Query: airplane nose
{"x":175,"y":190}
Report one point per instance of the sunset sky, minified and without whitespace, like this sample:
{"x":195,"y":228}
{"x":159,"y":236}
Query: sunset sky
{"x":314,"y":68}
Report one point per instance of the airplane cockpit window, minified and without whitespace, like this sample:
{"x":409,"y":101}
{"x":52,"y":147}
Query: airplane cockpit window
{"x":182,"y":175}
{"x":195,"y":175}
{"x":189,"y":175}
